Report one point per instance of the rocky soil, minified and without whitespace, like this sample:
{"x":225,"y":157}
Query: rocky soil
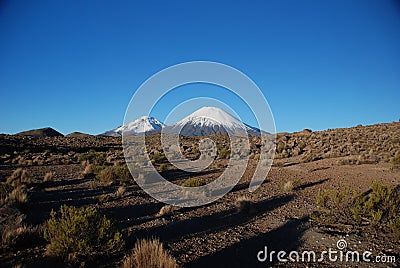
{"x":217,"y":234}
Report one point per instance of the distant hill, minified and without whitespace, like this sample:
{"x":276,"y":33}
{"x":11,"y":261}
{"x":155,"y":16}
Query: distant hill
{"x":78,"y":135}
{"x":41,"y":132}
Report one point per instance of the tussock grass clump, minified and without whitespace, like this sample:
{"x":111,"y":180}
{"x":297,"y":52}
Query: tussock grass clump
{"x":73,"y":232}
{"x":120,"y":191}
{"x":21,"y":236}
{"x":166,"y":210}
{"x":14,"y":191}
{"x":245,"y":205}
{"x":193,"y":182}
{"x":105,"y":198}
{"x":5,"y":190}
{"x":288,"y":186}
{"x":149,"y":254}
{"x":18,"y":195}
{"x":48,"y":176}
{"x":18,"y":177}
{"x":291,"y":185}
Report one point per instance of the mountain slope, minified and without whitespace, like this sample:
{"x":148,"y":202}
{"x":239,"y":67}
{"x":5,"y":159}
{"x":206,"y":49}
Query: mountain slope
{"x":143,"y":124}
{"x":211,"y":120}
{"x":41,"y":132}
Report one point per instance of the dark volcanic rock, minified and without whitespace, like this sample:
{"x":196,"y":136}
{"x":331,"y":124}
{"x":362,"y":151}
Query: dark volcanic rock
{"x":41,"y":132}
{"x":78,"y":135}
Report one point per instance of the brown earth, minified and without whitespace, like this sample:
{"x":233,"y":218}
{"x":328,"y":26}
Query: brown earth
{"x":214,"y":235}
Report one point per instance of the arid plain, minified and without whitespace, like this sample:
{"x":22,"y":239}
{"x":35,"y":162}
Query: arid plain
{"x":323,"y":187}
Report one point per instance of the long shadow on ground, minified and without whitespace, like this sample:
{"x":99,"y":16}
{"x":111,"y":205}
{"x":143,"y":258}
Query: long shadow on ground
{"x":211,"y":223}
{"x":42,"y":202}
{"x":131,"y":215}
{"x":176,"y":174}
{"x":244,"y":254}
{"x":311,"y":184}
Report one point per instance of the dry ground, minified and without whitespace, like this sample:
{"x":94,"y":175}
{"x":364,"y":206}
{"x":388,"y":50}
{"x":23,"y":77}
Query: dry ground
{"x":214,"y":235}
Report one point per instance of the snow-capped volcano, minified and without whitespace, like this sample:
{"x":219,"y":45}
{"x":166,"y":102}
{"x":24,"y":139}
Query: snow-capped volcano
{"x":211,"y":120}
{"x":143,"y":124}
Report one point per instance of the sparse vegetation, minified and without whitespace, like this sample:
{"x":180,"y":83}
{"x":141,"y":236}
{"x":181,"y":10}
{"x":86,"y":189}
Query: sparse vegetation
{"x":223,"y":153}
{"x":18,"y":177}
{"x":158,"y":157}
{"x":74,"y":232}
{"x":166,"y":210}
{"x":381,"y":205}
{"x":369,"y":218}
{"x":149,"y":254}
{"x":92,"y":157}
{"x":377,"y":208}
{"x":48,"y":176}
{"x":18,"y":195}
{"x":395,"y":161}
{"x":163,"y":167}
{"x":113,"y":174}
{"x":120,"y":191}
{"x":288,"y":186}
{"x":193,"y":182}
{"x":104,"y":198}
{"x":292,"y":185}
{"x":5,"y":190}
{"x":20,"y":236}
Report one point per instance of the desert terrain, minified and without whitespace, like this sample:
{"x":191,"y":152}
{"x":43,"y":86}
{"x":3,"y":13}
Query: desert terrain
{"x":323,"y":187}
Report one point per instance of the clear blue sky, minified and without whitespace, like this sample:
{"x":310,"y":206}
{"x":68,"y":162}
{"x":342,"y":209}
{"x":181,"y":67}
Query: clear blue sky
{"x":74,"y":65}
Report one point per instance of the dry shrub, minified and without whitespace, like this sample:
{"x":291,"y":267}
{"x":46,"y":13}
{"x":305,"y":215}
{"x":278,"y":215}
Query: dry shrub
{"x":113,"y":174}
{"x":18,"y":177}
{"x":149,"y":254}
{"x":163,"y":167}
{"x":377,"y":208}
{"x":292,"y":185}
{"x":245,"y":205}
{"x":193,"y":182}
{"x":107,"y":176}
{"x":158,"y":157}
{"x":395,"y":161}
{"x":76,"y":232}
{"x":105,"y":198}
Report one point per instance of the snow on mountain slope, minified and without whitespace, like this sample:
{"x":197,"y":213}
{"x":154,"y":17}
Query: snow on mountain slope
{"x":211,"y":120}
{"x":141,"y":125}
